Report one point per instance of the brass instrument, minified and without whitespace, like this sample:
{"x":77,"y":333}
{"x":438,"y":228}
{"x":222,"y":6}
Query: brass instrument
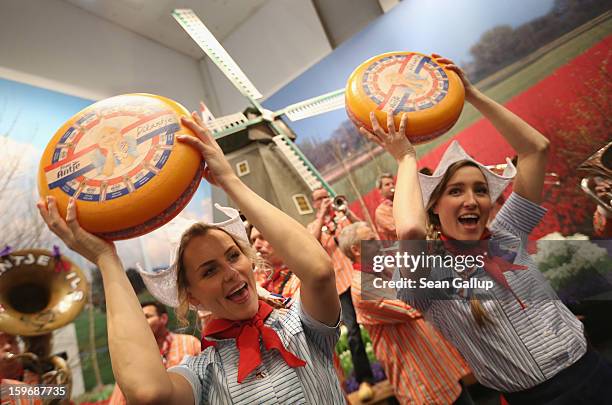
{"x":598,"y":167}
{"x":340,"y":204}
{"x":39,"y":292}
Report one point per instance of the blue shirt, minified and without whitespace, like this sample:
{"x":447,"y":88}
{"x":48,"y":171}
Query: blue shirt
{"x":522,"y":347}
{"x":213,"y":374}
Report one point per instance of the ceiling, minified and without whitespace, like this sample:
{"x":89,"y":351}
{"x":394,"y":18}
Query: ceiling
{"x":152,"y":19}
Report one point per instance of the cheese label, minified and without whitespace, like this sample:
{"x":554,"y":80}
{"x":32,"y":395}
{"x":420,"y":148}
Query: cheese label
{"x":405,"y":83}
{"x":113,"y":150}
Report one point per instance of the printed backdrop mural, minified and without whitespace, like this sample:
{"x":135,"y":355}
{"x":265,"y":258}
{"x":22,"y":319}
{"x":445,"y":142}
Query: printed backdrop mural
{"x":546,"y":60}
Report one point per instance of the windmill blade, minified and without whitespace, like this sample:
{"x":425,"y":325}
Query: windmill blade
{"x":303,"y":167}
{"x":230,"y":122}
{"x":314,"y":106}
{"x":209,"y":44}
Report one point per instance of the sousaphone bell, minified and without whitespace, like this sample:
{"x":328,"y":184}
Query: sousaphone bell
{"x":40,"y":291}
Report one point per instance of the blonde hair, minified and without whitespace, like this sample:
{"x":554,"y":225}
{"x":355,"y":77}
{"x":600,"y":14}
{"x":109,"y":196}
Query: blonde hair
{"x":196,"y":230}
{"x":434,"y":227}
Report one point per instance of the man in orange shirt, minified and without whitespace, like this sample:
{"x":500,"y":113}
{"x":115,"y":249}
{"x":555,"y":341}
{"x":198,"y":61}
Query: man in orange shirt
{"x":173,"y":347}
{"x":325,"y":228}
{"x":383,"y":216}
{"x":282,"y":281}
{"x":420,"y":364}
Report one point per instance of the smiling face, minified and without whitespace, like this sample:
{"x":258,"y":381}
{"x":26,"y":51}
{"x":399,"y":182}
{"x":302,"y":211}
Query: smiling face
{"x":219,"y":276}
{"x":464,"y":204}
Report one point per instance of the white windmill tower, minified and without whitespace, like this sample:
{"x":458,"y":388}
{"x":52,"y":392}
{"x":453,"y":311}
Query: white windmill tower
{"x":259,"y":145}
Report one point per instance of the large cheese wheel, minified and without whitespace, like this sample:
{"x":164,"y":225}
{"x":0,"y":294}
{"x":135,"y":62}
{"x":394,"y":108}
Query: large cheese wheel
{"x":405,"y":82}
{"x":121,"y":161}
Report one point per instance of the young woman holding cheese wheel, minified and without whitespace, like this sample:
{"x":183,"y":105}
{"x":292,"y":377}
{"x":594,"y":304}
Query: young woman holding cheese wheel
{"x":215,"y":273}
{"x":517,"y":337}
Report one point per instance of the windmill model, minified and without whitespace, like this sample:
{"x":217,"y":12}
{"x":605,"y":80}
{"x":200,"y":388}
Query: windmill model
{"x":259,"y":145}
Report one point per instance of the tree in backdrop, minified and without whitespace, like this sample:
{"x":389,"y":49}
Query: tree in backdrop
{"x":502,"y":45}
{"x":21,"y":225}
{"x":321,"y":153}
{"x":497,"y":48}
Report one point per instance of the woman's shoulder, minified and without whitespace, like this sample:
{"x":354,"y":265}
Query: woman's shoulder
{"x":201,"y":361}
{"x":286,"y":319}
{"x":518,"y":215}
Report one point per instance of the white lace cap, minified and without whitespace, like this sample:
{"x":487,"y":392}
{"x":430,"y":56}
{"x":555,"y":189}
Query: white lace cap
{"x":162,"y":284}
{"x":454,"y":153}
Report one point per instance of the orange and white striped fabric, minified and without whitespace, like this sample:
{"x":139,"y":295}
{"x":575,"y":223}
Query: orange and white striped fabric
{"x":292,"y":288}
{"x":181,"y":346}
{"x":420,"y":364}
{"x":342,"y":265}
{"x":282,"y":281}
{"x":385,"y":224}
{"x":602,"y":223}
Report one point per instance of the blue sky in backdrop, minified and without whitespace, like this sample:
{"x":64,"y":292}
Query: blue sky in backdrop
{"x":447,"y":27}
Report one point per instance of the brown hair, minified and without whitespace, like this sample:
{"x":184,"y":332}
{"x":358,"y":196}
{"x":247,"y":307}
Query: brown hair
{"x":195,"y":230}
{"x":434,"y":227}
{"x":159,"y":307}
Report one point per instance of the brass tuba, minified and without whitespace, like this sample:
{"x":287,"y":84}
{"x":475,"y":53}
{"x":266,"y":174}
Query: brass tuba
{"x":39,"y":292}
{"x":598,"y":167}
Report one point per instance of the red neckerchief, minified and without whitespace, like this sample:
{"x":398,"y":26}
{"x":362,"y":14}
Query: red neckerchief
{"x":247,"y":335}
{"x":165,"y":348}
{"x":494,"y":265}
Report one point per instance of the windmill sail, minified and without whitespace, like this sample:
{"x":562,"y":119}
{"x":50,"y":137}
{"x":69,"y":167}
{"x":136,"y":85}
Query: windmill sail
{"x":314,"y":106}
{"x":260,"y":146}
{"x":215,"y":51}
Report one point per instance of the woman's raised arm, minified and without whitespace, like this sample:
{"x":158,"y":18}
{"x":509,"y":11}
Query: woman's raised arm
{"x":300,"y":251}
{"x":135,"y":358}
{"x":408,"y":210}
{"x":530,"y":145}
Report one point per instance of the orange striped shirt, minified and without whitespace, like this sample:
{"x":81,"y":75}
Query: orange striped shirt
{"x":181,"y":346}
{"x":421,"y":365}
{"x":342,"y":265}
{"x":282,"y":281}
{"x":385,"y":224}
{"x":602,"y":223}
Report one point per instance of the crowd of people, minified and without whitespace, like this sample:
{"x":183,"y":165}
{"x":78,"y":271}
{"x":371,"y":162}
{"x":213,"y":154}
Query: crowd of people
{"x":515,"y":338}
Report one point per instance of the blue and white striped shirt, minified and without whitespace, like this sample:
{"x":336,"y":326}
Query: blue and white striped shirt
{"x":523,"y":347}
{"x":213,"y":374}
